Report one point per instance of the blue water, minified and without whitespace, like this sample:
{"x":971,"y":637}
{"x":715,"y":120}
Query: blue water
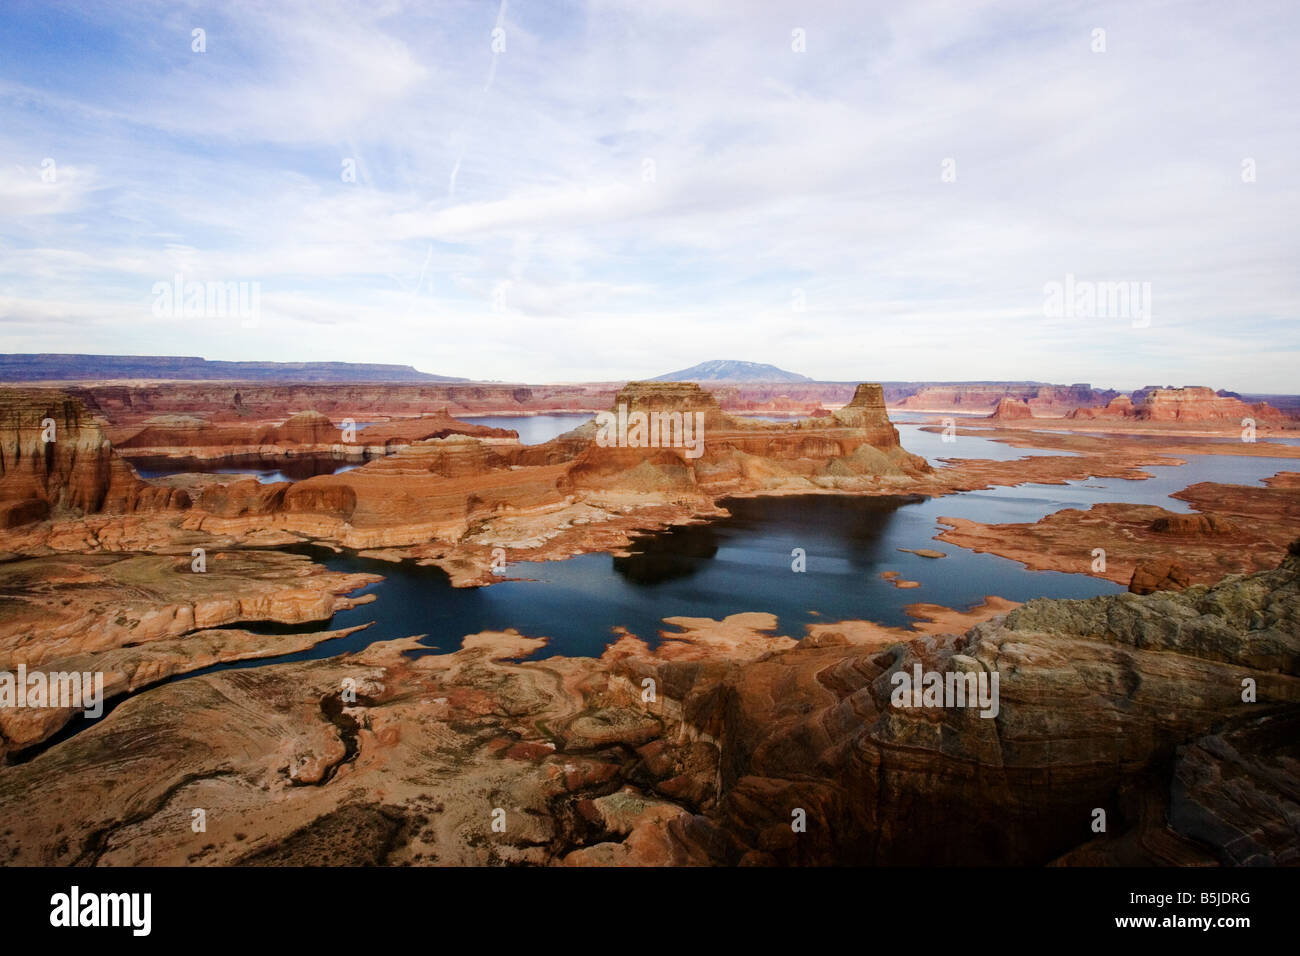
{"x":736,"y":564}
{"x":1164,"y":439}
{"x":533,"y":429}
{"x":1030,"y":502}
{"x":933,"y":448}
{"x":1033,"y":501}
{"x":265,"y":469}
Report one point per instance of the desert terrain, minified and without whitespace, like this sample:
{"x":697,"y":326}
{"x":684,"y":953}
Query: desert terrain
{"x":696,"y":743}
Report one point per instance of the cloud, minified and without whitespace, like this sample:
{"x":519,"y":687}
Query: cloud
{"x":629,"y":187}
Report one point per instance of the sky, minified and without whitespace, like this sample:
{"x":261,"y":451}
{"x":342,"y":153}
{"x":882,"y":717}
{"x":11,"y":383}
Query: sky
{"x":567,"y":191}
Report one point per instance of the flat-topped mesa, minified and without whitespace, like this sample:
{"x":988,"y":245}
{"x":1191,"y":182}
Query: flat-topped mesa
{"x":1198,"y":403}
{"x":1194,"y":404}
{"x":666,"y":398}
{"x":55,"y":457}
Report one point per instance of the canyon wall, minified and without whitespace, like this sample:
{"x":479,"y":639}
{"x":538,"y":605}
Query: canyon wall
{"x":124,"y":404}
{"x":976,"y":397}
{"x":309,"y":432}
{"x":54,"y":458}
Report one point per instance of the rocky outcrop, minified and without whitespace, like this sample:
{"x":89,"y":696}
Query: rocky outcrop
{"x":54,"y":459}
{"x":1095,"y":698}
{"x":1199,"y":404}
{"x":1012,"y":409}
{"x":1161,"y":574}
{"x":854,"y":446}
{"x":138,"y":619}
{"x":1194,"y":524}
{"x":754,"y":749}
{"x":662,"y":445}
{"x":866,"y":411}
{"x":1119,"y":407}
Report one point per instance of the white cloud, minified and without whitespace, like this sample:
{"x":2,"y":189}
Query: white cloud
{"x":772,"y":170}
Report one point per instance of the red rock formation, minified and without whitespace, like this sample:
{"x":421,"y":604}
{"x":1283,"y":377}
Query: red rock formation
{"x":438,"y":490}
{"x":1159,"y":575}
{"x":1119,"y":407}
{"x":77,"y":471}
{"x":1044,"y":400}
{"x":856,"y":440}
{"x":1183,"y":406}
{"x":1200,"y":404}
{"x":303,"y":433}
{"x":1011,"y":408}
{"x":1197,"y":524}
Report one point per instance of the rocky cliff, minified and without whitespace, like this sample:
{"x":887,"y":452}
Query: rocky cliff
{"x":1125,"y":704}
{"x":734,"y":455}
{"x":977,"y":397}
{"x":54,"y":458}
{"x":1199,"y":404}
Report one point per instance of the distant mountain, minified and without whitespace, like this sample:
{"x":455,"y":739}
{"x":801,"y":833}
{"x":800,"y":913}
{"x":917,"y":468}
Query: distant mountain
{"x":42,"y":367}
{"x":725,"y":370}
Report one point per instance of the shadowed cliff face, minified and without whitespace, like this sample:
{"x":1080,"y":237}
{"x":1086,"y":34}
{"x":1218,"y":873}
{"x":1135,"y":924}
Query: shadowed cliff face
{"x":1113,"y":703}
{"x":54,"y":458}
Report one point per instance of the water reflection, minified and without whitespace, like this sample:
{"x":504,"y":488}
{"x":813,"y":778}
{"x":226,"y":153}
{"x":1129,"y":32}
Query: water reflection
{"x":265,"y":468}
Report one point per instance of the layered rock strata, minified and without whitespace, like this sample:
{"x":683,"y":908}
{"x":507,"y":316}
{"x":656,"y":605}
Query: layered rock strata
{"x":1131,"y":705}
{"x":54,"y":458}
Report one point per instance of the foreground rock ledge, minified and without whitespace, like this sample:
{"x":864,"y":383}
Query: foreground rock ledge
{"x":1131,"y":704}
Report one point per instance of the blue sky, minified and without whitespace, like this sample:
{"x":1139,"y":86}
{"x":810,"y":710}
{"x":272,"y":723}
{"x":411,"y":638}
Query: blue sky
{"x":629,"y":188}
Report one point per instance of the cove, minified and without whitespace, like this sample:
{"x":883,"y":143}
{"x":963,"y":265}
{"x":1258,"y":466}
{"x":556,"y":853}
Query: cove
{"x":726,"y":566}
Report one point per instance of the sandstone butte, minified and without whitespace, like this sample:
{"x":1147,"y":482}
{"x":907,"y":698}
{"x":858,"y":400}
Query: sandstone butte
{"x":1128,"y":703}
{"x":1011,"y":408}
